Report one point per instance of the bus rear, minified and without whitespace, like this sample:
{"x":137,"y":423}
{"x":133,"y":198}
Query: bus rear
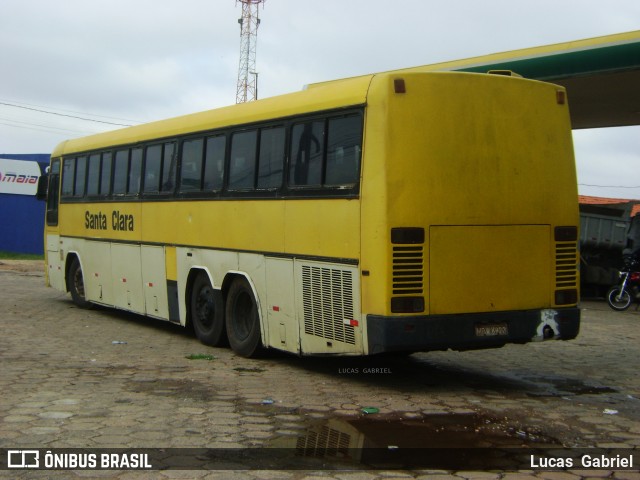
{"x":477,"y":246}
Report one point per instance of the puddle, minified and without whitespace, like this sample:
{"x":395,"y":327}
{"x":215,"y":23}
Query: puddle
{"x":296,"y":437}
{"x":427,"y":431}
{"x":560,"y":387}
{"x":579,"y":388}
{"x":316,"y":435}
{"x":427,"y":441}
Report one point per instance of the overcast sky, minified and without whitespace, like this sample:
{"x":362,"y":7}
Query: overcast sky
{"x":131,"y":61}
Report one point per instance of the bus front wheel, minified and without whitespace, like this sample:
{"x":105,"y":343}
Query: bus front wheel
{"x":75,"y":285}
{"x":242,"y":319}
{"x":207,"y":313}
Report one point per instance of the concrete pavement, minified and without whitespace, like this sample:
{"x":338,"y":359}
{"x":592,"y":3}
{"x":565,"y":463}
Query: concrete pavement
{"x":99,"y":378}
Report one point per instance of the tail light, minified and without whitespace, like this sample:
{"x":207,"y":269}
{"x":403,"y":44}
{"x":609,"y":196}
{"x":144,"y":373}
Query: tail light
{"x":566,"y":234}
{"x":566,"y":297}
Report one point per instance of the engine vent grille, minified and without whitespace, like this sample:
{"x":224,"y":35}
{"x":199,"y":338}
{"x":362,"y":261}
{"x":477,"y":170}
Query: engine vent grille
{"x":327,"y":296}
{"x":566,"y":265}
{"x":408,"y":270}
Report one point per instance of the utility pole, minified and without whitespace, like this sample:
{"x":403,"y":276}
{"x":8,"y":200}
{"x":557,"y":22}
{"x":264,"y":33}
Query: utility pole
{"x":247,"y":87}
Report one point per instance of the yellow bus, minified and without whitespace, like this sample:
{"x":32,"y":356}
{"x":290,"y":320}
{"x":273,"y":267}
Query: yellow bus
{"x":384,"y":213}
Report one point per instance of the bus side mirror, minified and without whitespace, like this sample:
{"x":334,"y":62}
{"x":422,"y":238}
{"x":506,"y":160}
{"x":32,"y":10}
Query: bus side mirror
{"x":43,"y":184}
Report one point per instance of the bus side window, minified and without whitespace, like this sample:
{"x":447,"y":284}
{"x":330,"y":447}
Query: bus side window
{"x":68,"y":176}
{"x":242,"y":164}
{"x":191,"y":168}
{"x":105,"y":174}
{"x":344,"y":142}
{"x":307,"y":152}
{"x":135,"y":172}
{"x":121,"y":170}
{"x":271,"y":159}
{"x":152,"y":168}
{"x":81,"y":174}
{"x":214,"y":163}
{"x":169,"y":160}
{"x":93,"y":176}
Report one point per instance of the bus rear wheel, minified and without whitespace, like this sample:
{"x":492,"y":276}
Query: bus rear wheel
{"x":75,"y":285}
{"x":242,"y":319}
{"x":207,"y":315}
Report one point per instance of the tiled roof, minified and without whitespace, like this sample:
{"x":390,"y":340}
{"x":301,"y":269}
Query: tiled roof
{"x":587,"y":200}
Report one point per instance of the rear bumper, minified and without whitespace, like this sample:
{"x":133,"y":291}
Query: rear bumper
{"x":459,"y":332}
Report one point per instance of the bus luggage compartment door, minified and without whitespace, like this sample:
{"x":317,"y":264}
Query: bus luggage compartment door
{"x":127,"y":277}
{"x":488,"y":268}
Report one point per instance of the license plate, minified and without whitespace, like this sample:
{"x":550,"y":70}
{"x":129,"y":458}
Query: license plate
{"x":493,"y":330}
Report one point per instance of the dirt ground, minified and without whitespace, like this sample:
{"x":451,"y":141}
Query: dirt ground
{"x":25,"y":266}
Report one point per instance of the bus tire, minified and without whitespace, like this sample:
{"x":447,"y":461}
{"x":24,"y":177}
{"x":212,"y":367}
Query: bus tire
{"x":207,"y":312}
{"x":75,"y":285}
{"x":242,"y":319}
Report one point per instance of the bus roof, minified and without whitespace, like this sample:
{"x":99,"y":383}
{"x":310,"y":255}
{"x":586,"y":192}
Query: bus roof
{"x":600,"y":74}
{"x":341,"y":94}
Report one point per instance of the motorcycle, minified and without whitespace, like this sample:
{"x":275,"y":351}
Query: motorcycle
{"x":619,"y":297}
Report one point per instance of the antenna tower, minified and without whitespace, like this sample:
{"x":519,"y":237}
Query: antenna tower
{"x":247,"y":88}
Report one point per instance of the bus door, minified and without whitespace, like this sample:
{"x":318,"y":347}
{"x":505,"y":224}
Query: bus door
{"x":53,"y":197}
{"x":54,"y":262}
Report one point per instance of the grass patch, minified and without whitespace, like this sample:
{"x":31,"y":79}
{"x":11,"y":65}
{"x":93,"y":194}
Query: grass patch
{"x":200,"y":356}
{"x":20,"y":256}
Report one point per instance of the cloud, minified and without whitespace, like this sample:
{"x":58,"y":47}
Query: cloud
{"x":608,"y":162}
{"x":145,"y":59}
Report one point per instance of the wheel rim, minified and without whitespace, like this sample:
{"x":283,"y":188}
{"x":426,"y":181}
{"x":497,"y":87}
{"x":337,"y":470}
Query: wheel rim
{"x":78,"y":282}
{"x":205,"y":307}
{"x":620,"y":300}
{"x":244,"y":313}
